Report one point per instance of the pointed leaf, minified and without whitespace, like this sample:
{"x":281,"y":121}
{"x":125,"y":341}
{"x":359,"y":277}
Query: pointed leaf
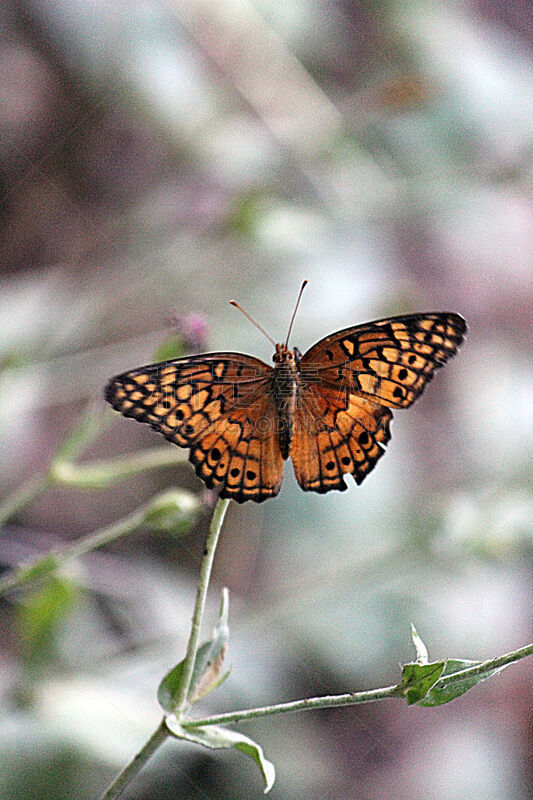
{"x":421,"y":649}
{"x":207,"y":672}
{"x":217,"y":737}
{"x":417,"y":680}
{"x":442,"y":692}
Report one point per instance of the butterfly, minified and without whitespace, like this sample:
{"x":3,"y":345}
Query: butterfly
{"x":329,"y":410}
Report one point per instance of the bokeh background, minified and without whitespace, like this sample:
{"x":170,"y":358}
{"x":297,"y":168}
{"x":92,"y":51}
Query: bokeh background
{"x":160,"y":158}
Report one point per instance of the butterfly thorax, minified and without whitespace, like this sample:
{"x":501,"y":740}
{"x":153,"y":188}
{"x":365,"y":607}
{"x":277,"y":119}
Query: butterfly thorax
{"x":284,"y":386}
{"x":283,"y":355}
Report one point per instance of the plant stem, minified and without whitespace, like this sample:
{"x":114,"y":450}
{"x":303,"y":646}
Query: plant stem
{"x":201,"y":594}
{"x":353,"y":698}
{"x":105,"y":471}
{"x":490,"y":664}
{"x":51,"y":561}
{"x":137,"y":763}
{"x":326,"y":701}
{"x":162,"y":732}
{"x":29,"y":490}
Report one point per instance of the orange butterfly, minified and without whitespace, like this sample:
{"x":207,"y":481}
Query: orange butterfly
{"x":329,"y":410}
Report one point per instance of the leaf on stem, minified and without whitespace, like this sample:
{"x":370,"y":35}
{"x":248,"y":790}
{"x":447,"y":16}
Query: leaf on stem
{"x":426,"y":683}
{"x":417,"y":680}
{"x":40,"y":615}
{"x":419,"y":676}
{"x":216,"y":737}
{"x":208,"y":665}
{"x":443,"y":691}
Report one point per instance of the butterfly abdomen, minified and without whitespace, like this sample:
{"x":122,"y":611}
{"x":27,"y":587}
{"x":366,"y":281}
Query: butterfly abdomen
{"x":283,"y":388}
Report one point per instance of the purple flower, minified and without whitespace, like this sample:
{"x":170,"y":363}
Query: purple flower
{"x":194,"y":330}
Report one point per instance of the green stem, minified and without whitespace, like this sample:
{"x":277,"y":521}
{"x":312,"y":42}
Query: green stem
{"x":27,"y":492}
{"x":487,"y":666}
{"x":137,"y":763}
{"x":353,"y":698}
{"x":162,"y":732}
{"x":103,"y":472}
{"x":201,"y":594}
{"x":326,"y":701}
{"x":50,"y":562}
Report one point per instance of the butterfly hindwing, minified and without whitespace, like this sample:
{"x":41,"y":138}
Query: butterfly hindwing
{"x":241,"y":453}
{"x":335,"y":434}
{"x":389,"y":361}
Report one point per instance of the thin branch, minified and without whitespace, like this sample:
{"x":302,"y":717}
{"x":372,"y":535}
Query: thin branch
{"x":137,"y":763}
{"x":105,"y":471}
{"x":201,"y":594}
{"x":51,"y":561}
{"x":22,"y":496}
{"x":353,"y":698}
{"x":162,"y":732}
{"x":326,"y":701}
{"x":490,"y":664}
{"x":164,"y":510}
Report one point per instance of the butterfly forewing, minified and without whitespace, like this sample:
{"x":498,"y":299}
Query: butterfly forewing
{"x":183,"y":398}
{"x":389,"y":361}
{"x":220,"y":406}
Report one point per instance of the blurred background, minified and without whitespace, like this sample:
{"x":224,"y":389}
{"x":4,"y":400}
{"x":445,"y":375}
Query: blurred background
{"x":159,"y":159}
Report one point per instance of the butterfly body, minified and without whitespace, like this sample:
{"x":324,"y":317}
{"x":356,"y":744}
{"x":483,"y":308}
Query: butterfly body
{"x":285,"y":380}
{"x":328,"y":410}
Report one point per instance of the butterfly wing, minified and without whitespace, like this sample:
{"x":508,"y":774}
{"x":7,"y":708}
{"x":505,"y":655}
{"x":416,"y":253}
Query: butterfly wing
{"x":219,"y":406}
{"x":390,"y":361}
{"x":241,"y":453}
{"x":351,"y":380}
{"x":335,"y":434}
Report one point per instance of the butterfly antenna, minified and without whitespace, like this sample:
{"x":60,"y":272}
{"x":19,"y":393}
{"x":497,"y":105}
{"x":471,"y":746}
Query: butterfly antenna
{"x":257,"y":325}
{"x":304,"y":284}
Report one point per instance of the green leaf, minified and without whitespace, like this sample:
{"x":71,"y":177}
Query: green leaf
{"x":40,"y":615}
{"x":417,"y":680}
{"x":419,"y":676}
{"x":217,"y":737}
{"x":207,"y":672}
{"x":41,"y":567}
{"x":442,"y":691}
